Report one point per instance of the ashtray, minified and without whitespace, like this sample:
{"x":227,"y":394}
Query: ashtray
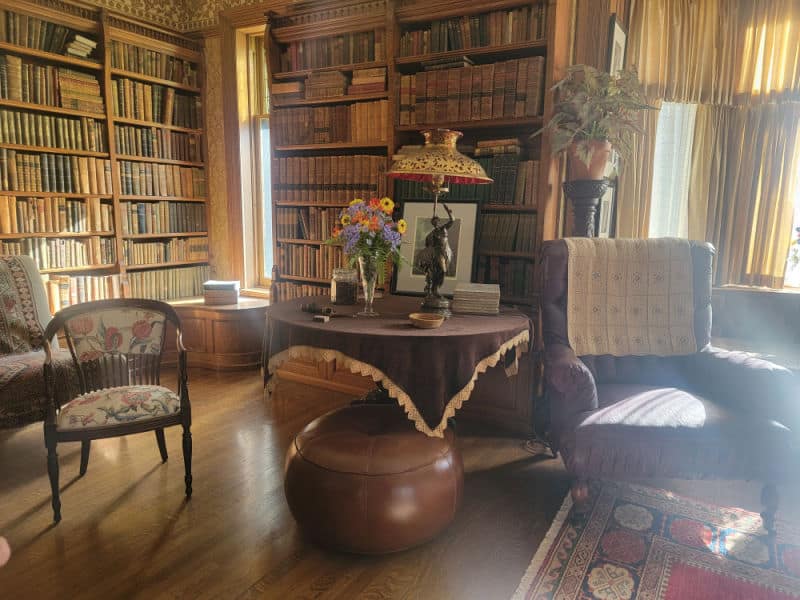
{"x":426,"y":320}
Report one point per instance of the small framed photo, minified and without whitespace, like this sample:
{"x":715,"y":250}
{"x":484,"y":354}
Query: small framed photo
{"x":617,"y":42}
{"x":606,"y":213}
{"x":409,"y":278}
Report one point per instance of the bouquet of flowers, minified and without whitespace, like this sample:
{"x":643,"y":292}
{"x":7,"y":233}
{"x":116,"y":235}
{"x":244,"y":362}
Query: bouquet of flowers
{"x":367,"y":230}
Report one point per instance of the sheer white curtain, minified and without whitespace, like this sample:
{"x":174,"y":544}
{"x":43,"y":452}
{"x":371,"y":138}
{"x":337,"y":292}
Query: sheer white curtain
{"x":669,"y":205}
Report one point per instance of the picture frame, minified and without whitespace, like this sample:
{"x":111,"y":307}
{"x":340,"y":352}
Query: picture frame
{"x":410,"y":280}
{"x":606,"y":213}
{"x":617,"y":45}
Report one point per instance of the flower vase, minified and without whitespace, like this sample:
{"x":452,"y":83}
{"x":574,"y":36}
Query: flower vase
{"x":368,"y":266}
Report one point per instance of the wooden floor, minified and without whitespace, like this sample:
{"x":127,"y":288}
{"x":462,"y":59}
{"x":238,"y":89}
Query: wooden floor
{"x":127,"y":532}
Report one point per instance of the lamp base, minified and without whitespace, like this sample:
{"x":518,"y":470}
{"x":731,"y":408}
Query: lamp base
{"x":438,"y":305}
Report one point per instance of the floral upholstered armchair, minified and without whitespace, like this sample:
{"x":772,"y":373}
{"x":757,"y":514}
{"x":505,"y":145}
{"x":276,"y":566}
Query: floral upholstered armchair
{"x":24,"y":315}
{"x":116,"y":348}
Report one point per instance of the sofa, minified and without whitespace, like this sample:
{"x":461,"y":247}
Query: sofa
{"x":705,"y":413}
{"x":24,"y":316}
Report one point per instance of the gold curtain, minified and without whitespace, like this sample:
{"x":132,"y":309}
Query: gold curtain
{"x":636,"y":179}
{"x":740,"y":61}
{"x":741,"y":197}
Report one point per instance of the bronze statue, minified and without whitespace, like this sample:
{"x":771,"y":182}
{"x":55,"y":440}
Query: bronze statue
{"x":435,"y":260}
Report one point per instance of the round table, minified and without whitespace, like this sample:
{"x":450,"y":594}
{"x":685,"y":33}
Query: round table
{"x":430,"y":372}
{"x":363,"y":478}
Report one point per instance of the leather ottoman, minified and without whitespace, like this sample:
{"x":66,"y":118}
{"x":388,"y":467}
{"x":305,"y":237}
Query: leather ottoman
{"x":362,"y":479}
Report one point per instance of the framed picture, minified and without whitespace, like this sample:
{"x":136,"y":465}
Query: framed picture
{"x":461,"y":235}
{"x":606,"y":213}
{"x":617,"y":41}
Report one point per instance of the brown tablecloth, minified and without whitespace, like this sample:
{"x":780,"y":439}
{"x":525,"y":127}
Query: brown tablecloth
{"x":430,"y":372}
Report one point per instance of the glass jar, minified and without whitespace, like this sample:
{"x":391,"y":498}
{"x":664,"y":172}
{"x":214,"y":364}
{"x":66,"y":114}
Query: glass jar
{"x":344,"y":286}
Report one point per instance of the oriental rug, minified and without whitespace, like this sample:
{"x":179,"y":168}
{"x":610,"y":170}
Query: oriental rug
{"x":635,"y":542}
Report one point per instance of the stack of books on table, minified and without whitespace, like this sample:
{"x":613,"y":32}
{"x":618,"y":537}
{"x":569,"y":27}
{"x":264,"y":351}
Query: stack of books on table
{"x":477,"y":298}
{"x":220,"y":292}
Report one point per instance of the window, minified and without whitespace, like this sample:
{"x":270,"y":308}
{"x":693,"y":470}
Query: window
{"x":669,"y":205}
{"x":258,"y":110}
{"x":792,"y":278}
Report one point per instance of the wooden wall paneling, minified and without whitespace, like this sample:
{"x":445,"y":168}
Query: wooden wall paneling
{"x":591,"y":32}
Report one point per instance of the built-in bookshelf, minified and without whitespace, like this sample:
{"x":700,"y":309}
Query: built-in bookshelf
{"x":331,"y":132}
{"x":102,"y":172}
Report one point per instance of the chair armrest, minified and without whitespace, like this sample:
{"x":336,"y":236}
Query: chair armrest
{"x":569,"y":383}
{"x":741,"y":381}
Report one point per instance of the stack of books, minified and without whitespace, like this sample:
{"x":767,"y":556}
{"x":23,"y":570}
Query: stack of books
{"x":477,"y":298}
{"x":220,"y":292}
{"x":80,"y":46}
{"x":328,"y":84}
{"x":368,"y":81}
{"x":288,"y":91}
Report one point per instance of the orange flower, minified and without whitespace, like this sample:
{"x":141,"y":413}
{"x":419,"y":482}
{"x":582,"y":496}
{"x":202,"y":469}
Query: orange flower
{"x":374,"y":203}
{"x":337,"y":231}
{"x":375,"y":224}
{"x":359,"y":217}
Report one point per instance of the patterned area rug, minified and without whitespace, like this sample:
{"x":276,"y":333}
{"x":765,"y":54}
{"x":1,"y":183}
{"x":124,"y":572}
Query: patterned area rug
{"x":639,"y":542}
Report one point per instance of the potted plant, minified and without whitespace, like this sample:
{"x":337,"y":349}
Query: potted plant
{"x":595,"y":113}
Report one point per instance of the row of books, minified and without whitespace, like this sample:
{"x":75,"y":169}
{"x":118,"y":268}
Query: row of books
{"x":32,"y":32}
{"x":344,"y":49}
{"x":155,"y":142}
{"x":508,"y":232}
{"x":162,"y":217}
{"x":513,"y":88}
{"x":330,"y":84}
{"x":156,"y":103}
{"x":60,"y":253}
{"x":308,"y":223}
{"x":515,"y":276}
{"x":33,"y":129}
{"x":287,"y":290}
{"x":168,"y":284}
{"x":330,"y":179}
{"x":54,"y":173}
{"x":153,"y":253}
{"x":309,"y":261}
{"x":152,"y":63}
{"x":149,"y":179}
{"x":66,"y":290}
{"x":510,"y":26}
{"x":366,"y":122}
{"x":54,"y":215}
{"x":45,"y":84}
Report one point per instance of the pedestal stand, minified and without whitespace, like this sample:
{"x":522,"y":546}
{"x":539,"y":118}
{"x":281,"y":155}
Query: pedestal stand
{"x":585,"y":196}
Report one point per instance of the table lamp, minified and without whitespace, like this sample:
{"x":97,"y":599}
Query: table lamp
{"x":437,"y":164}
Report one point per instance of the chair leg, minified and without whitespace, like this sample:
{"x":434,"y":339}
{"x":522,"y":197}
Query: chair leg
{"x":769,"y":498}
{"x":187,"y":459}
{"x":162,"y":445}
{"x":52,"y":472}
{"x":86,"y":446}
{"x":580,"y":495}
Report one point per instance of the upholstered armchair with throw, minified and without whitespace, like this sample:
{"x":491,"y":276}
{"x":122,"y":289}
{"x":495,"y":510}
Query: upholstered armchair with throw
{"x":634,"y":386}
{"x":25,"y":314}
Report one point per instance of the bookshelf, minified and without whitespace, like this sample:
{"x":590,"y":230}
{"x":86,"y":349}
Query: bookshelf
{"x":101,"y":131}
{"x":332,"y":131}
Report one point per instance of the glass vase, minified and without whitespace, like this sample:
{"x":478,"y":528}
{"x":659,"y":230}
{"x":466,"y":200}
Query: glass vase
{"x":368,"y":266}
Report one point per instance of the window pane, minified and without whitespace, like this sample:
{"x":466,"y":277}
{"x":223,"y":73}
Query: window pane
{"x":792,"y":277}
{"x":669,"y":207}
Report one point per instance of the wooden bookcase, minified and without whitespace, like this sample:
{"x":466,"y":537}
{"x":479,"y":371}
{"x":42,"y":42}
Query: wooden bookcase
{"x":511,"y":407}
{"x":159,"y":148}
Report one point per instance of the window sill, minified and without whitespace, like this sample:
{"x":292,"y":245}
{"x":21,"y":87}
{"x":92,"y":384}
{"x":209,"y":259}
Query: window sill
{"x":256,"y":292}
{"x":756,"y":289}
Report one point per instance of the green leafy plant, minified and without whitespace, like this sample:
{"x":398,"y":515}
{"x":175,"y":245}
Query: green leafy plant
{"x":595,"y":106}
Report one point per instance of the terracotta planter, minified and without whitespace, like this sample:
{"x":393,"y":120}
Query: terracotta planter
{"x":598,"y":161}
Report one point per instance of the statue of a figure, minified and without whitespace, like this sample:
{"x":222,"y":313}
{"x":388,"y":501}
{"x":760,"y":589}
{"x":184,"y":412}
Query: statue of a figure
{"x":435,"y":259}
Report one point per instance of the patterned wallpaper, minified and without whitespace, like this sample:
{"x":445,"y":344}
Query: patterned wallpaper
{"x":180,"y":15}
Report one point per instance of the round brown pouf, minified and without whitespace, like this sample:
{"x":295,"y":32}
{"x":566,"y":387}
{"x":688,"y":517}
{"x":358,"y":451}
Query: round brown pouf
{"x":363,"y":479}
